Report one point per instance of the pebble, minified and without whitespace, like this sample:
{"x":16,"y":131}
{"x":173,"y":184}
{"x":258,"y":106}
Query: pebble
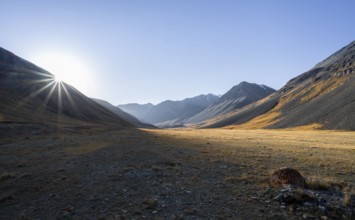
{"x":308,"y":217}
{"x":151,"y":203}
{"x":307,"y":202}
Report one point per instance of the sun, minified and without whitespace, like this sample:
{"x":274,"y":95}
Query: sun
{"x":66,"y":68}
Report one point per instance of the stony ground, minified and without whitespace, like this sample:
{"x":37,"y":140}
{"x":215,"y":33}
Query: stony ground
{"x":88,"y":173}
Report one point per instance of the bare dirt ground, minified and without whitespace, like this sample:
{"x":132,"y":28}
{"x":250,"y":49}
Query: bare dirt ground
{"x":84,"y":173}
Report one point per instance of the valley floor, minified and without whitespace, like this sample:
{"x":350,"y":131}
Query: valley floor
{"x":162,"y":174}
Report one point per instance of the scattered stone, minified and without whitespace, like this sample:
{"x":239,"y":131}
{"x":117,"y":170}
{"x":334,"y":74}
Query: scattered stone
{"x":276,"y":217}
{"x":150,"y":203}
{"x":308,"y":217}
{"x":68,"y":210}
{"x":190,"y":211}
{"x":316,"y":204}
{"x":287,"y":177}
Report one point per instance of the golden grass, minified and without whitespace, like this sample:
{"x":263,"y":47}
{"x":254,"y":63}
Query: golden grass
{"x":314,"y":126}
{"x":327,"y":158}
{"x":261,"y":121}
{"x":321,"y":88}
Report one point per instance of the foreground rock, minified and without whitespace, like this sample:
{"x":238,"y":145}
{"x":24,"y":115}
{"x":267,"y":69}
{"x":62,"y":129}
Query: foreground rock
{"x":315,"y":204}
{"x":287,"y":176}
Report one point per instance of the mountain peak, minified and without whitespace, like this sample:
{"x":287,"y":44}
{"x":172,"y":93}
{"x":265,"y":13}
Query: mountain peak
{"x":246,"y":89}
{"x":245,"y":83}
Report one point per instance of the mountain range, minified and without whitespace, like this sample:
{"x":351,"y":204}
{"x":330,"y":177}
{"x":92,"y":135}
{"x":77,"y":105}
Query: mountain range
{"x":170,"y":113}
{"x":321,"y":98}
{"x":236,"y":98}
{"x":199,"y":108}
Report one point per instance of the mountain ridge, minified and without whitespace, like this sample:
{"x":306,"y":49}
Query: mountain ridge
{"x":169,"y":110}
{"x":237,"y":97}
{"x":30,"y":94}
{"x":322,"y":97}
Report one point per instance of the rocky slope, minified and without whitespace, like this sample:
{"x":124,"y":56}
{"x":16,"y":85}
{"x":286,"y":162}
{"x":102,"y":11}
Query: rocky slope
{"x":322,"y":97}
{"x":236,"y":98}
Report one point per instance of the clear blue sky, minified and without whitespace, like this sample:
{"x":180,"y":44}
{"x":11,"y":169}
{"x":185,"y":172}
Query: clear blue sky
{"x":149,"y":50}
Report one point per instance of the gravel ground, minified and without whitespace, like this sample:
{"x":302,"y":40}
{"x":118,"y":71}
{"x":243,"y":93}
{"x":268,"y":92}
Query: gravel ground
{"x":132,"y":174}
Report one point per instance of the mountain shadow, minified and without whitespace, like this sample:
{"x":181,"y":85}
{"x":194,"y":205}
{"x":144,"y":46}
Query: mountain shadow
{"x":30,"y":94}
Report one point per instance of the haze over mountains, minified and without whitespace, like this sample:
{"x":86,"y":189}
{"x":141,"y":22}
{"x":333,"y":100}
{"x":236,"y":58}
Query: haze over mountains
{"x":122,"y":114}
{"x":170,"y":112}
{"x":199,"y":108}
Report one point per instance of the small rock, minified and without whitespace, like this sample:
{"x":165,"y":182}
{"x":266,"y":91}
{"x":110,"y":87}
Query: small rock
{"x":151,"y":203}
{"x":308,"y":217}
{"x":69,"y":209}
{"x":308,"y":204}
{"x":190,"y":211}
{"x":278,"y":197}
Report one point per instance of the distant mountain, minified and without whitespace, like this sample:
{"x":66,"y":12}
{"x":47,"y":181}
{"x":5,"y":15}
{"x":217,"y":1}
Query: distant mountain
{"x":29,"y":94}
{"x":170,"y":113}
{"x":137,"y":110}
{"x":122,"y":114}
{"x":236,"y":98}
{"x":323,"y":97}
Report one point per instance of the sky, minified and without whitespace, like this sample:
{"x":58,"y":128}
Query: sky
{"x":140,"y":51}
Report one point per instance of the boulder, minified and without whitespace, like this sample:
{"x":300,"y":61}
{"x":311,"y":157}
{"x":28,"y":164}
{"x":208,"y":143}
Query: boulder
{"x":287,"y":177}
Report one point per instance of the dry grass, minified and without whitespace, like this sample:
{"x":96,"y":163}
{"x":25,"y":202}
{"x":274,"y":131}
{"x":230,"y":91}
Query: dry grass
{"x":259,"y":122}
{"x":327,"y":156}
{"x":209,"y":173}
{"x":325,"y":184}
{"x":321,"y":88}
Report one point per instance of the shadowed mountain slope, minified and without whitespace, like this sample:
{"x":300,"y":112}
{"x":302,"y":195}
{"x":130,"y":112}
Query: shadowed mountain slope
{"x":29,"y":94}
{"x":122,"y":114}
{"x":237,"y":97}
{"x":171,"y":113}
{"x":323,"y":97}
